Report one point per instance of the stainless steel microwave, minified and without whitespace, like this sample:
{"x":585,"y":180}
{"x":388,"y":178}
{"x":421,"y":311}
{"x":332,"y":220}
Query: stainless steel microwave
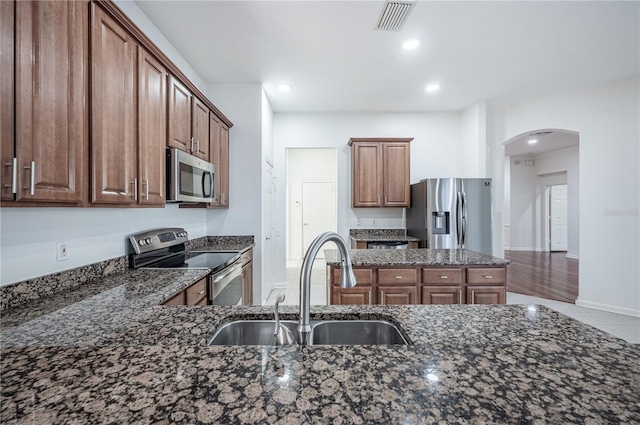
{"x":189,"y":178}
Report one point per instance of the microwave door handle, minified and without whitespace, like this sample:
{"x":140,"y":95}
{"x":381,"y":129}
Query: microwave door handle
{"x":204,"y":186}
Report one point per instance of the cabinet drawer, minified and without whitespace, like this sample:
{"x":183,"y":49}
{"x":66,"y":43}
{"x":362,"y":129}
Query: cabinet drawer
{"x":177,"y":299}
{"x":485,"y":276}
{"x":196,"y":292}
{"x":397,"y":276}
{"x":363,"y":276}
{"x":442,"y":276}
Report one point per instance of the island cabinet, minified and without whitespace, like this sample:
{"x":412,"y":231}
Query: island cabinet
{"x":442,"y":285}
{"x":195,"y":294}
{"x":188,"y":121}
{"x":380,"y":172}
{"x":421,"y":285}
{"x":44,"y":58}
{"x":362,"y":294}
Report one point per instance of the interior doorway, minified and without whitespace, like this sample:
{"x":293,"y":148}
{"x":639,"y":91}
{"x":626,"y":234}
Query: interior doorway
{"x":311,"y":179}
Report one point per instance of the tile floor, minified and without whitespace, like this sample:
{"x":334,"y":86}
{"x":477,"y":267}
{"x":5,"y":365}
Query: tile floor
{"x":622,"y":326}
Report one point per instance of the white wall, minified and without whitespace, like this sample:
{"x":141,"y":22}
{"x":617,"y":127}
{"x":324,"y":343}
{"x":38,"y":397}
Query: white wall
{"x":242,"y":104}
{"x":606,"y":117}
{"x":522,"y":211}
{"x":435,"y":152}
{"x":28,"y":236}
{"x":473,"y":139}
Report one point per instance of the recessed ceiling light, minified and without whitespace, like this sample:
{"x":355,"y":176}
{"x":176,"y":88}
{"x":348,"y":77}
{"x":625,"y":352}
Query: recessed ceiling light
{"x":284,"y":87}
{"x":433,"y":88}
{"x":533,"y":141}
{"x":410,"y":44}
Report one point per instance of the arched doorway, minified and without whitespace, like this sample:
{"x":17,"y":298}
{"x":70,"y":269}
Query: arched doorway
{"x":536,"y":162}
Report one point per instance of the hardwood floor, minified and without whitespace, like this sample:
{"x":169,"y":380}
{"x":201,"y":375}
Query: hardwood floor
{"x":543,"y":274}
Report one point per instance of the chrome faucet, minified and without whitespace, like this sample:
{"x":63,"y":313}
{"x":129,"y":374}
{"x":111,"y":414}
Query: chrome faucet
{"x":347,"y":278}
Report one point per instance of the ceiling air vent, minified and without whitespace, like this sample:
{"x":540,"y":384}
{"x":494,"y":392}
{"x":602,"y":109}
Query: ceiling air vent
{"x":394,"y":14}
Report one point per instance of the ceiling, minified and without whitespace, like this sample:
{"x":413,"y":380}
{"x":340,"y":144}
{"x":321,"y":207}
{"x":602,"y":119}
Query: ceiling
{"x":334,"y":59}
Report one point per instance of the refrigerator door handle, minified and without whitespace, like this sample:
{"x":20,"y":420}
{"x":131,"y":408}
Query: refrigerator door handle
{"x":464,"y":220}
{"x":459,"y":229}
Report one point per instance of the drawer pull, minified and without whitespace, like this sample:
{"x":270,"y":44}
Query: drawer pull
{"x":201,"y":292}
{"x":460,"y":296}
{"x":398,"y":277}
{"x":444,"y":277}
{"x":473,"y":297}
{"x":488,"y":276}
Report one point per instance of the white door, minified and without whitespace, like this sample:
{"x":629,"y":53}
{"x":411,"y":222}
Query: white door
{"x":558,"y":218}
{"x":318,"y":212}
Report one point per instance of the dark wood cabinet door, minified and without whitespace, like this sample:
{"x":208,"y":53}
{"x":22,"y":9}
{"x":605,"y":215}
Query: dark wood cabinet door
{"x":395,"y":181}
{"x":359,"y":295}
{"x":486,"y":294}
{"x":7,"y":92}
{"x":441,"y":295}
{"x":179,"y":116}
{"x":51,"y":54}
{"x":219,"y":154}
{"x":114,"y":112}
{"x":152,"y":124}
{"x":396,"y":295}
{"x":367,"y":174}
{"x":200,"y":129}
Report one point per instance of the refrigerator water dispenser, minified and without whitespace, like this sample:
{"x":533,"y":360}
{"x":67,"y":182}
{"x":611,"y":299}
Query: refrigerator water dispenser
{"x":440,"y":222}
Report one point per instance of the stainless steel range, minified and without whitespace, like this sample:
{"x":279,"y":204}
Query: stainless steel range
{"x":165,"y":249}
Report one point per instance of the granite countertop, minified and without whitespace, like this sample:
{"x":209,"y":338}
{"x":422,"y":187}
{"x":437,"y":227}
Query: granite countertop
{"x":221,"y":243}
{"x":381,"y":235}
{"x":116,"y":356}
{"x":414,"y":257}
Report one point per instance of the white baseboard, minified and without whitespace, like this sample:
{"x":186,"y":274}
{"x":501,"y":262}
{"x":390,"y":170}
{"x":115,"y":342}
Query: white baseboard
{"x":516,"y":248}
{"x":609,"y":308}
{"x":573,"y":257}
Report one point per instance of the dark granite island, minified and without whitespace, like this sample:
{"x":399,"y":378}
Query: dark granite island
{"x":111,"y":354}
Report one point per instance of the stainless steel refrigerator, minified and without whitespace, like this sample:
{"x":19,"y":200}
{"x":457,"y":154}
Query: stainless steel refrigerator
{"x":451,"y":213}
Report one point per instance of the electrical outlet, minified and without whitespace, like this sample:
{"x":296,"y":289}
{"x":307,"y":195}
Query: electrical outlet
{"x":62,"y":252}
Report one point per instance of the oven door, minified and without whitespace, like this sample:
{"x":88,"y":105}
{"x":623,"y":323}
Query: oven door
{"x":225,"y":286}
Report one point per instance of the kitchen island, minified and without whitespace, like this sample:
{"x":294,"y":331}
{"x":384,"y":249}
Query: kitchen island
{"x":110,"y":353}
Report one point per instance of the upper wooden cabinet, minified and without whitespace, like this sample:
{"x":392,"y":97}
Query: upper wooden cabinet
{"x":114,"y":125}
{"x":219,"y":150}
{"x":188,"y":121}
{"x":152,"y":126}
{"x":380,"y":172}
{"x":48,"y":134}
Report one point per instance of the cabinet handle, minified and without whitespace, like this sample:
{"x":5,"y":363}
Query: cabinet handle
{"x":444,"y":277}
{"x":385,"y":200}
{"x":473,"y":297}
{"x":198,"y":145}
{"x":460,"y":296}
{"x":191,"y":149}
{"x":398,"y":277}
{"x":14,"y":174}
{"x":378,"y":200}
{"x":488,"y":277}
{"x":201,"y":292}
{"x":135,"y":189}
{"x":145,"y":183}
{"x":222,"y":198}
{"x":32,"y":178}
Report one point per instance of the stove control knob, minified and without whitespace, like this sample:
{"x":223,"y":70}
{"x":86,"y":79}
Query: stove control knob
{"x":148,"y":241}
{"x":141,"y":242}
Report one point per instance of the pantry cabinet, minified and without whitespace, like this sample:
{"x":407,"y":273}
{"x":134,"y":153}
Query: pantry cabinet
{"x":380,"y":172}
{"x":44,"y":139}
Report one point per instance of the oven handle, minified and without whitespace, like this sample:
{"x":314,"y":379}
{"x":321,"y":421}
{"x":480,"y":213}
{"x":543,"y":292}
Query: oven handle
{"x":235,"y":266}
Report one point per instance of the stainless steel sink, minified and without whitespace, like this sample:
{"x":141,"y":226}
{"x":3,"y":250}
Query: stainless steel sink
{"x":356,"y":332}
{"x":250,"y":332}
{"x":327,"y":332}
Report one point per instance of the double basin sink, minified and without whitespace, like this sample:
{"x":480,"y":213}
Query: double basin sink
{"x":325,"y":332}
